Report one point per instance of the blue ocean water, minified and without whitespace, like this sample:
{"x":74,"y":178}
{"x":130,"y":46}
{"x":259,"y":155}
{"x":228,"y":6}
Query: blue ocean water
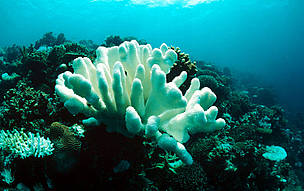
{"x":261,"y":37}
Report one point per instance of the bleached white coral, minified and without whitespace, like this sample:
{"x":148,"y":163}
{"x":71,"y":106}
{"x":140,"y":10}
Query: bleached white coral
{"x":126,"y":89}
{"x":25,"y":145}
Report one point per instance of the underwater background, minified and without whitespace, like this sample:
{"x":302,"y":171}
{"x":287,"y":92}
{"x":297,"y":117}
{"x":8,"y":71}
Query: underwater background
{"x":250,"y":53}
{"x":264,"y":38}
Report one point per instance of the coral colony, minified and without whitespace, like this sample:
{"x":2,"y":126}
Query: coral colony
{"x":149,"y":99}
{"x":126,"y":89}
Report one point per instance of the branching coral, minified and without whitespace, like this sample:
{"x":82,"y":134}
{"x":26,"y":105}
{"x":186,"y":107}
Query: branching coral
{"x":25,"y":107}
{"x":25,"y":145}
{"x":125,"y":88}
{"x":183,"y":63}
{"x":7,"y":175}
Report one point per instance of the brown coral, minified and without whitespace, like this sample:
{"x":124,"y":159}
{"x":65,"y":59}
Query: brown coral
{"x":57,"y":130}
{"x":70,"y":143}
{"x":64,"y":139}
{"x":183,"y":63}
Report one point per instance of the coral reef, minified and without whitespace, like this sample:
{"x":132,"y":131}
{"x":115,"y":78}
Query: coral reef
{"x":36,"y":63}
{"x":237,"y":104}
{"x":89,"y":44}
{"x":49,"y":39}
{"x":215,"y":79}
{"x":26,"y":108}
{"x":65,"y":53}
{"x":42,"y":67}
{"x":237,"y":157}
{"x":263,"y":95}
{"x":115,"y":40}
{"x":188,"y":178}
{"x":12,"y":53}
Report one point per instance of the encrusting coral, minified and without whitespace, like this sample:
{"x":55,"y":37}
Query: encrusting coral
{"x":125,"y":88}
{"x":64,"y":138}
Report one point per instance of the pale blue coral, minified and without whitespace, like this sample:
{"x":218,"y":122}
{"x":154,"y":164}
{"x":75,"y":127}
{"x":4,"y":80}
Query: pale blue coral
{"x":77,"y":130}
{"x":25,"y":145}
{"x":7,"y":175}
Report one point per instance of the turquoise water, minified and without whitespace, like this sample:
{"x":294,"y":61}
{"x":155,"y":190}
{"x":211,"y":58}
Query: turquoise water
{"x":248,"y":52}
{"x":261,"y":37}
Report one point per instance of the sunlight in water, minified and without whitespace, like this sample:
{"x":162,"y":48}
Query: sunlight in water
{"x":161,"y":3}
